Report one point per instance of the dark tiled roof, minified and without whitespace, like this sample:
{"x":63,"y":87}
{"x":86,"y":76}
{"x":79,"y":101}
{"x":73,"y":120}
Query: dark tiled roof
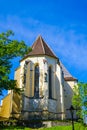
{"x":70,"y":79}
{"x":40,"y":48}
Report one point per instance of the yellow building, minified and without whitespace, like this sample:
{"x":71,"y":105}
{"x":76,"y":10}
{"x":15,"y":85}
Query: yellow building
{"x":48,"y":86}
{"x":6,"y":107}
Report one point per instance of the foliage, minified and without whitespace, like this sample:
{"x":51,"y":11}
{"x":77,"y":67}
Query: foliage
{"x":79,"y":99}
{"x":9,"y":49}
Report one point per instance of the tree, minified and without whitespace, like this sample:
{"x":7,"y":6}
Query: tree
{"x":79,"y":99}
{"x":9,"y":49}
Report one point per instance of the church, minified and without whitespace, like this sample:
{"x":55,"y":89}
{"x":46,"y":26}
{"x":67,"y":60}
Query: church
{"x":47,"y":87}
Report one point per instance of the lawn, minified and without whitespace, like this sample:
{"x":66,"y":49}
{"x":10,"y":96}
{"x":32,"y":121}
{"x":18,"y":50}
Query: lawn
{"x":77,"y":126}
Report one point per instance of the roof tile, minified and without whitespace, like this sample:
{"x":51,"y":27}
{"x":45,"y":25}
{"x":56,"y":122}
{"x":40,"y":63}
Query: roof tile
{"x":41,"y":48}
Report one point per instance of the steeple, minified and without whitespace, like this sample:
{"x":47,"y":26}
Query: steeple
{"x":40,"y":48}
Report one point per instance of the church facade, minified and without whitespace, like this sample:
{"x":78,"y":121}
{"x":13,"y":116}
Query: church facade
{"x":47,"y":85}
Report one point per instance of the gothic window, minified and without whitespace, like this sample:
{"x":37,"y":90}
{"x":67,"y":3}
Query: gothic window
{"x":50,"y":82}
{"x":36,"y":86}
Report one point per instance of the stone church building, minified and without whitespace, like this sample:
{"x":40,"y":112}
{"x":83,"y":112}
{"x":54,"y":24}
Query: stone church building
{"x":47,"y":85}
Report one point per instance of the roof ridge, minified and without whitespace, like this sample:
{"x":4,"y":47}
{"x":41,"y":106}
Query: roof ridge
{"x":34,"y":43}
{"x":42,"y":44}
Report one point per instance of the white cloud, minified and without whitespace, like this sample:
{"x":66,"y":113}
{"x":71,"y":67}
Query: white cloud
{"x":68,"y":43}
{"x":73,"y":49}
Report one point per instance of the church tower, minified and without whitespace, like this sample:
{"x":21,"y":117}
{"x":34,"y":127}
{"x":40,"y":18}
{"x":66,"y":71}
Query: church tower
{"x":42,"y":82}
{"x":46,"y":83}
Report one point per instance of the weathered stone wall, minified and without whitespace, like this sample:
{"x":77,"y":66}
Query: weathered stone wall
{"x":68,"y":93}
{"x":43,"y":103}
{"x":17,"y":76}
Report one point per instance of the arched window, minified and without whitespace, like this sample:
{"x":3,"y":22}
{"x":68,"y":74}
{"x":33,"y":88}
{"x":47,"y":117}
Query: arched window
{"x":36,"y":83}
{"x":50,"y":82}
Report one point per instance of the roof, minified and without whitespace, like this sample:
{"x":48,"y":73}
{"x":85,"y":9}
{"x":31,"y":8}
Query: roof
{"x":40,"y":48}
{"x":70,"y":79}
{"x":67,"y":75}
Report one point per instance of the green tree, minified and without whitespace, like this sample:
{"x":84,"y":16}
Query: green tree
{"x":9,"y":49}
{"x":79,"y":99}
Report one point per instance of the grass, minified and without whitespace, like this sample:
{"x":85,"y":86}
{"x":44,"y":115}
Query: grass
{"x":77,"y":126}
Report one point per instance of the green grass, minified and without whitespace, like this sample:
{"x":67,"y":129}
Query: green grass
{"x":77,"y":126}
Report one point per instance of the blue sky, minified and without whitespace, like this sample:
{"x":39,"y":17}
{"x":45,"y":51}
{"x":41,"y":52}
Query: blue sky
{"x":62,"y":24}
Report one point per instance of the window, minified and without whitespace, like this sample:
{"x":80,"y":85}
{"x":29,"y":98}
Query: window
{"x":45,"y":77}
{"x":36,"y":86}
{"x":50,"y":82}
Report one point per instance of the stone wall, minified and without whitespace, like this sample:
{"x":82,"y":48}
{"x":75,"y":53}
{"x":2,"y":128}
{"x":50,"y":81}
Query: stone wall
{"x":68,"y":93}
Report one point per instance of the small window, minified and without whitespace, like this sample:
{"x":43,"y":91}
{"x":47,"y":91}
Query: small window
{"x":45,"y":77}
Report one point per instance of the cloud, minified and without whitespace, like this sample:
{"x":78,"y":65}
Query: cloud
{"x":68,"y":43}
{"x":73,"y":48}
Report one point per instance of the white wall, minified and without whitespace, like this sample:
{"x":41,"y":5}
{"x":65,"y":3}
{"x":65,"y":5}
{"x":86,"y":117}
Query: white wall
{"x":68,"y":93}
{"x":56,"y":76}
